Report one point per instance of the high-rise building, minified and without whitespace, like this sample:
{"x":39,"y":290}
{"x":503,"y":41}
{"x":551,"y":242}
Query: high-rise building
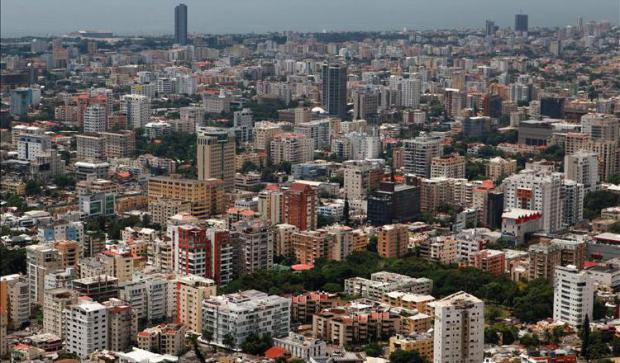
{"x":20,"y":101}
{"x":95,"y":118}
{"x":205,"y":197}
{"x":499,"y":167}
{"x":448,"y":166}
{"x":238,"y":315}
{"x":15,"y":299}
{"x":40,"y":260}
{"x":122,"y":325}
{"x":334,"y":89}
{"x":582,"y":167}
{"x":99,"y":288}
{"x":299,"y":206}
{"x":365,"y":104}
{"x":360,"y":178}
{"x":216,"y":155}
{"x":393,"y":204}
{"x":573,"y":295}
{"x":292,"y":147}
{"x":411,"y":90}
{"x":536,"y":191}
{"x":419,"y":153}
{"x":572,"y":196}
{"x":489,"y":28}
{"x":393,"y":240}
{"x":138,"y":110}
{"x":86,"y":329}
{"x":243,"y":122}
{"x":255,"y":244}
{"x":459,"y":329}
{"x":191,"y":291}
{"x":521,"y":23}
{"x":56,"y":300}
{"x":180,"y":24}
{"x":603,"y":127}
{"x":317,"y":130}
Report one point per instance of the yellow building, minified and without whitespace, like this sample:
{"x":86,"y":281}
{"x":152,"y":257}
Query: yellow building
{"x":206,"y":196}
{"x":191,"y":291}
{"x":216,"y":156}
{"x":422,"y":343}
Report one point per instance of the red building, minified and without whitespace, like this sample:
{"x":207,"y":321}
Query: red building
{"x":299,"y":205}
{"x":492,"y":261}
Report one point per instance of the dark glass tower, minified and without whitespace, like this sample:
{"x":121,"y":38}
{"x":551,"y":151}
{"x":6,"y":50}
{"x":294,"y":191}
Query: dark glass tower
{"x":521,"y":22}
{"x":334,"y":89}
{"x":180,"y":24}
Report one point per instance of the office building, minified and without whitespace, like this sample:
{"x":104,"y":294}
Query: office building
{"x":244,"y":313}
{"x":86,"y":327}
{"x":393,"y":203}
{"x":477,"y":126}
{"x":334,"y":89}
{"x":552,"y":107}
{"x":489,"y":28}
{"x":365,"y":104}
{"x":521,"y":23}
{"x":20,"y":101}
{"x":419,"y":153}
{"x":180,"y":24}
{"x":458,"y":329}
{"x":216,"y":156}
{"x":573,"y":295}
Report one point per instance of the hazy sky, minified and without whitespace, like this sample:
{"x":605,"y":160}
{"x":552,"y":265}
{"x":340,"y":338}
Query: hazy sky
{"x":40,"y":17}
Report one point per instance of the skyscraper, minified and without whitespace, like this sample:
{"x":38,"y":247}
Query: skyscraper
{"x":489,"y":27}
{"x":216,"y":155}
{"x":180,"y":24}
{"x":95,"y":118}
{"x":334,"y":88}
{"x":573,"y":295}
{"x":521,"y":23}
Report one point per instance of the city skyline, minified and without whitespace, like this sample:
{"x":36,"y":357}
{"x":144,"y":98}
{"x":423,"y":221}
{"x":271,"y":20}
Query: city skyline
{"x":243,"y":16}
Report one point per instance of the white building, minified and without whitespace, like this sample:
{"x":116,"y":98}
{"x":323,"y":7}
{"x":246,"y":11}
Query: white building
{"x":384,"y":282}
{"x":318,"y":131}
{"x":573,"y":296}
{"x":95,"y":118}
{"x":301,"y":346}
{"x":31,"y":146}
{"x":86,"y":327}
{"x":536,"y":191}
{"x":458,"y":329}
{"x":582,"y":167}
{"x":411,"y":88}
{"x":138,"y":110}
{"x":244,"y":313}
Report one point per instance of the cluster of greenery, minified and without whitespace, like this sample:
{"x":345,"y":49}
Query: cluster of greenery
{"x":257,"y":344}
{"x":12,"y":261}
{"x":401,"y":356}
{"x":177,"y":146}
{"x":529,"y":302}
{"x":600,"y":199}
{"x":598,"y":344}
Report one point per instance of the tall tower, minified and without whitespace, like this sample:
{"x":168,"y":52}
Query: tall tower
{"x":334,"y":88}
{"x":216,"y":155}
{"x":180,"y":24}
{"x":521,"y":23}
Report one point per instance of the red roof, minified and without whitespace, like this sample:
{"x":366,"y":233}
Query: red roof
{"x":302,"y":267}
{"x":275,"y":352}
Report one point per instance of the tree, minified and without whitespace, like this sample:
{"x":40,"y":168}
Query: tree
{"x":345,"y":211}
{"x":401,"y":356}
{"x":207,"y":335}
{"x":585,"y":337}
{"x":33,"y":187}
{"x":257,"y":345}
{"x":13,"y":261}
{"x":248,"y":166}
{"x":229,"y":341}
{"x":373,"y":349}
